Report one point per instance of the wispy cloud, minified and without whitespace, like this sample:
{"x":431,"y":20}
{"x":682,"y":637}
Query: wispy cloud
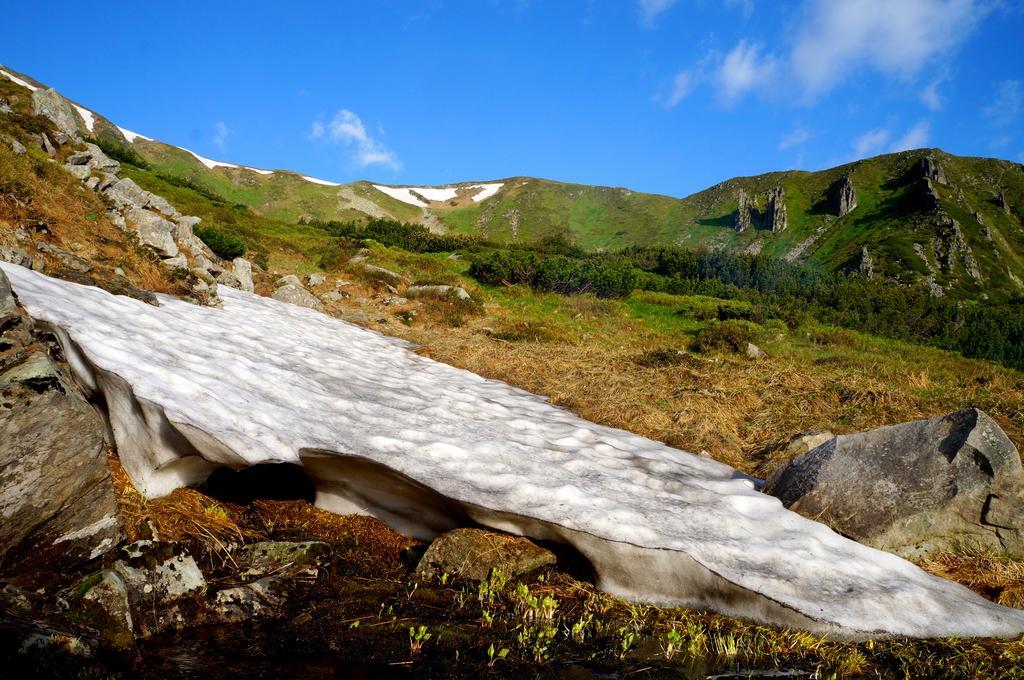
{"x":744,"y":7}
{"x":220,"y":136}
{"x":683,"y":84}
{"x":651,"y":9}
{"x":347,"y":128}
{"x":1005,"y":108}
{"x":870,"y":143}
{"x":742,"y":70}
{"x":796,"y":137}
{"x":835,"y":39}
{"x":914,"y":138}
{"x":896,"y":38}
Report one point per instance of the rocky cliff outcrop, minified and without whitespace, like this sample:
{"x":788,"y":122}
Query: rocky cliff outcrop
{"x":844,"y":196}
{"x":775,"y":213}
{"x":742,"y":221}
{"x":867,"y":266}
{"x":930,"y":169}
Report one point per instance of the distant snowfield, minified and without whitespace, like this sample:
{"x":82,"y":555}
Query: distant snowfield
{"x":441,"y":194}
{"x":324,"y":182}
{"x":132,"y":136}
{"x":211,"y":164}
{"x":427,"y":447}
{"x":17,"y":81}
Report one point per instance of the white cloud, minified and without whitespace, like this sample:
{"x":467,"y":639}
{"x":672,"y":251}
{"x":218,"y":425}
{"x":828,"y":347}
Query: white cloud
{"x":1007,"y":104}
{"x":744,"y":7}
{"x":870,"y":143}
{"x":682,"y":85}
{"x":914,"y":138}
{"x":347,"y":128}
{"x":650,"y":9}
{"x":896,"y":38}
{"x":798,"y":136}
{"x":220,"y":137}
{"x":743,"y":70}
{"x":930,"y":96}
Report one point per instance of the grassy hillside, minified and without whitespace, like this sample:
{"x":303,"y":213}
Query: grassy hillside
{"x":964,"y":235}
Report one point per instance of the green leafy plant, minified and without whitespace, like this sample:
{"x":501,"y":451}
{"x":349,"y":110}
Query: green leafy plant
{"x":417,"y":638}
{"x":224,"y":244}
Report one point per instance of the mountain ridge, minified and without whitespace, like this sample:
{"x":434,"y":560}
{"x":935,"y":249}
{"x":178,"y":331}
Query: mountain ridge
{"x":952,"y":222}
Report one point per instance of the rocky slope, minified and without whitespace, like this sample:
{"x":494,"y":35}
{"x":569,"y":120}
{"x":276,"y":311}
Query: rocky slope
{"x":952,"y":222}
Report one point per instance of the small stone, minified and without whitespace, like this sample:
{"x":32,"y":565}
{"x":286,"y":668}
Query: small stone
{"x":472,"y":554}
{"x":315,"y":280}
{"x":755,"y":352}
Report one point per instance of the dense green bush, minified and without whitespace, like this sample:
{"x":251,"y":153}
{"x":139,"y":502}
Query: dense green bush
{"x":412,"y":237}
{"x":224,"y":244}
{"x":732,"y":335}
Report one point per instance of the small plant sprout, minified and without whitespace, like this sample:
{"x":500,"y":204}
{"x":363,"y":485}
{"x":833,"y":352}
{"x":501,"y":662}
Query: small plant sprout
{"x":627,"y":638}
{"x":417,"y":638}
{"x":495,"y":656}
{"x":444,"y":578}
{"x":354,"y":624}
{"x":412,"y":591}
{"x":486,"y":618}
{"x":578,"y":632}
{"x":671,"y":643}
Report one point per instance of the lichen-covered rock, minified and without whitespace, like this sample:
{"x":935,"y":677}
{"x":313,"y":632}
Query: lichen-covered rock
{"x":915,"y":488}
{"x":49,"y":104}
{"x":65,"y":258}
{"x":806,"y":442}
{"x":280,"y":557}
{"x":154,"y":231}
{"x":867,"y":265}
{"x":260,"y":599}
{"x":101,"y":601}
{"x":297,"y":295}
{"x":440,"y":292}
{"x":384,"y":275}
{"x":472,"y":554}
{"x":242,"y":269}
{"x":315,"y":280}
{"x":163,"y":584}
{"x":57,"y":500}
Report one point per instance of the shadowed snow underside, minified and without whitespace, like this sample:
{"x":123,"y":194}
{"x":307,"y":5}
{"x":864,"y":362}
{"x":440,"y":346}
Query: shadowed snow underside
{"x":427,"y":447}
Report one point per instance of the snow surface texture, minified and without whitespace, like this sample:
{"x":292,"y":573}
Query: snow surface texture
{"x":427,"y":447}
{"x":406,"y":195}
{"x":86,"y":115}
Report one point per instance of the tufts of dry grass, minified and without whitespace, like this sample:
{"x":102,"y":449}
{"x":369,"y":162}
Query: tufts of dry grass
{"x":993,"y":576}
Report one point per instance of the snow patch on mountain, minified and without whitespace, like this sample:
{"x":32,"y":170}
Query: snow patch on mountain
{"x":324,"y":182}
{"x":17,"y":81}
{"x":132,"y":136}
{"x":427,"y":447}
{"x":86,"y":115}
{"x":211,"y":164}
{"x":439,"y":194}
{"x":260,"y":172}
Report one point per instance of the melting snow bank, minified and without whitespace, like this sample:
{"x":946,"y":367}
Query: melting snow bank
{"x":415,"y":195}
{"x":427,"y":447}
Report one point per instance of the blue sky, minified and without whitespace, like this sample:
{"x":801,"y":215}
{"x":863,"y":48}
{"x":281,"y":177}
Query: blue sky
{"x":666,"y":96}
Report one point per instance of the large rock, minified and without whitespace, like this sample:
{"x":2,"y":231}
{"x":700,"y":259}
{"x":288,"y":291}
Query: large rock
{"x":915,"y":488}
{"x":472,"y":554}
{"x":437,"y":291}
{"x":154,"y":231}
{"x":242,"y":269}
{"x":49,"y":104}
{"x":57,"y":499}
{"x":125,"y":193}
{"x":297,"y":295}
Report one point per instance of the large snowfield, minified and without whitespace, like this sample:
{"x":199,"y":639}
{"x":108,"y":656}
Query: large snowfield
{"x":427,"y":447}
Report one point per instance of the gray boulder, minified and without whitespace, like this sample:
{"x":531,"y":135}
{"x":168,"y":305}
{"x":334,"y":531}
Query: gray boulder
{"x":440,"y":292}
{"x":297,"y":295}
{"x":384,"y":275}
{"x":57,"y":499}
{"x":49,"y":104}
{"x":472,"y":554}
{"x":279,"y":558}
{"x":315,"y":279}
{"x":914,"y":488}
{"x":289,"y":280}
{"x":127,"y":194}
{"x":67,"y":259}
{"x":242,"y":269}
{"x":262,"y":599}
{"x":154,"y":231}
{"x":17,"y":147}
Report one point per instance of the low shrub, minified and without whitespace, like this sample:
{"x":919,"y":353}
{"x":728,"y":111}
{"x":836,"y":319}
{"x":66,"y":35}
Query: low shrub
{"x":732,"y":335}
{"x":224,"y":244}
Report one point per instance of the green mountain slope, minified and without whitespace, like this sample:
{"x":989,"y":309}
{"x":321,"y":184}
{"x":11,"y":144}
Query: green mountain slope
{"x":952,"y":221}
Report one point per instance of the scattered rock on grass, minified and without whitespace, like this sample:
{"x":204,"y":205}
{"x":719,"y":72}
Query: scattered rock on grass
{"x":472,"y":554}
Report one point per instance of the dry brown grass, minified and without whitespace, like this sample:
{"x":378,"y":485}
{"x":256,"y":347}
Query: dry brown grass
{"x":992,"y":576}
